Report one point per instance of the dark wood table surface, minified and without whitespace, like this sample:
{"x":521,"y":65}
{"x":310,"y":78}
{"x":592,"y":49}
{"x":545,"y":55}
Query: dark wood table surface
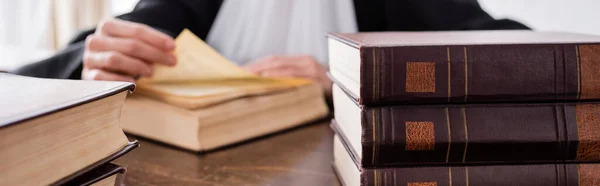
{"x":299,"y":156}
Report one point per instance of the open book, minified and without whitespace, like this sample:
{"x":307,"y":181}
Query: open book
{"x":206,"y":102}
{"x":203,"y":77}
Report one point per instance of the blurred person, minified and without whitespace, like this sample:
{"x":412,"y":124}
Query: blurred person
{"x":280,"y":38}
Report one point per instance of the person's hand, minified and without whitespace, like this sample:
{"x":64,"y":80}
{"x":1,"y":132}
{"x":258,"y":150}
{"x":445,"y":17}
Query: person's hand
{"x":291,"y":66}
{"x":122,"y":51}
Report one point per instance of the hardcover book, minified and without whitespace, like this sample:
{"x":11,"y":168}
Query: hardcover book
{"x":222,"y":124}
{"x":53,"y":130}
{"x":351,"y":174}
{"x":385,"y":68}
{"x":468,"y":133}
{"x":206,"y":102}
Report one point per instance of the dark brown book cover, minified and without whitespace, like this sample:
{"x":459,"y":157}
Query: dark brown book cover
{"x":558,"y":174}
{"x":475,"y":66}
{"x":534,"y":174}
{"x":479,"y":133}
{"x":97,"y":174}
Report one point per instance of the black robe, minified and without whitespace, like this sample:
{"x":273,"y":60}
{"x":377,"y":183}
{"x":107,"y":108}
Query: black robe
{"x":172,"y":16}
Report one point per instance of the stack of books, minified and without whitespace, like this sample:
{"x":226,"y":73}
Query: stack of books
{"x":61,"y":132}
{"x":206,"y":102}
{"x":466,"y":108}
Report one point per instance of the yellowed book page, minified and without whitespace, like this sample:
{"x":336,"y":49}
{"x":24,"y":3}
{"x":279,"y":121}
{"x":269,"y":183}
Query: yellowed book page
{"x":196,"y":60}
{"x":201,"y":72}
{"x":218,"y":87}
{"x":224,"y":95}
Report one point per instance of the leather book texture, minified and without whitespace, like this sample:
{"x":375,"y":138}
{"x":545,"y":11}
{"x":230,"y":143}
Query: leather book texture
{"x":103,"y":171}
{"x":475,"y":66}
{"x":533,"y":174}
{"x":558,"y":174}
{"x":540,"y":174}
{"x":77,"y":176}
{"x":481,"y":133}
{"x":24,"y":98}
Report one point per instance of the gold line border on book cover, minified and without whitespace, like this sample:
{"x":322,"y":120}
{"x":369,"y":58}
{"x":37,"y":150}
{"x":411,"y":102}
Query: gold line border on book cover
{"x":375,"y":96}
{"x":375,"y":80}
{"x":467,"y":175}
{"x":449,"y":88}
{"x":578,"y":72}
{"x":374,"y":135}
{"x":449,"y":135}
{"x":576,"y":131}
{"x":375,"y":177}
{"x":464,"y":113}
{"x":578,"y":174}
{"x":466,"y":74}
{"x":450,"y":176}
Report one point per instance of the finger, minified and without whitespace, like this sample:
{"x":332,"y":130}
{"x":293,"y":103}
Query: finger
{"x":269,"y":63}
{"x":126,"y":29}
{"x":294,"y":71}
{"x":130,"y":47}
{"x":98,"y":74}
{"x":117,"y":62}
{"x":281,"y":72}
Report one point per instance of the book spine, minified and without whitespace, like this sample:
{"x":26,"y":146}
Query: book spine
{"x":510,"y":133}
{"x":541,"y":174}
{"x":479,"y":73}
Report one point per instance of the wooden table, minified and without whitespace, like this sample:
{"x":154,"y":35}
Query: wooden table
{"x":300,"y":156}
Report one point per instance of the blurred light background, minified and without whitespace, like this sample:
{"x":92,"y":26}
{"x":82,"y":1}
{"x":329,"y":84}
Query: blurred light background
{"x":31,"y":30}
{"x":34,"y":29}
